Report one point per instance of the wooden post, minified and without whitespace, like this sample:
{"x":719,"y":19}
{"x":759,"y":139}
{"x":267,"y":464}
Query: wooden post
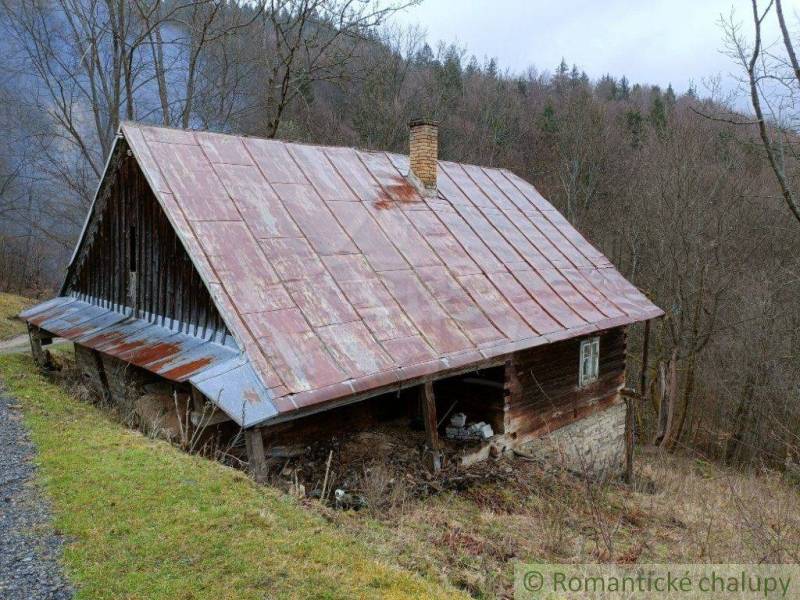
{"x":256,"y":458}
{"x":431,"y":432}
{"x":643,"y":374}
{"x":628,"y":440}
{"x":630,"y":407}
{"x":661,"y":394}
{"x":670,"y":388}
{"x":40,"y":356}
{"x":105,"y":388}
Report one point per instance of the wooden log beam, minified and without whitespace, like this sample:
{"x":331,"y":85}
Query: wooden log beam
{"x":209,"y":417}
{"x":431,"y":421}
{"x":256,"y":458}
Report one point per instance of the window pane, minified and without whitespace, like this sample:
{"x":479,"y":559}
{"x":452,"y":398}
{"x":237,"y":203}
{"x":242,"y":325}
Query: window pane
{"x":589,"y":362}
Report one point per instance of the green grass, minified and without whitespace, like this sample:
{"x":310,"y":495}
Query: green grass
{"x":10,"y":306}
{"x":146,"y":520}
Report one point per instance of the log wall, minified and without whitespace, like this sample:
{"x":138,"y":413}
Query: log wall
{"x":542,"y":392}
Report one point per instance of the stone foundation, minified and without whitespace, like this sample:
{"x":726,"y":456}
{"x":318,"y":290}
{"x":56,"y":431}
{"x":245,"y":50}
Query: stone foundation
{"x":593,"y":445}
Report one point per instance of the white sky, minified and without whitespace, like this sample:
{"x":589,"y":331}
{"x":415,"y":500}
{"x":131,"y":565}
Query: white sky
{"x":649,"y":41}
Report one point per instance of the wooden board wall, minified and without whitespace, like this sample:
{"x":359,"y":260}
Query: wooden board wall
{"x":542,"y":385}
{"x":133,"y":231}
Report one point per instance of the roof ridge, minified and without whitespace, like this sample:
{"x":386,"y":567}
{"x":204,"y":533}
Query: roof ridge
{"x":140,"y":124}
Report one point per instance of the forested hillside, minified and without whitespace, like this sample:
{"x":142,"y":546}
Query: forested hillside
{"x":682,"y":200}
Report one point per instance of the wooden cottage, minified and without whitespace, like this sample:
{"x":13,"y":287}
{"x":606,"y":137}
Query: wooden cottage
{"x":304,"y":290}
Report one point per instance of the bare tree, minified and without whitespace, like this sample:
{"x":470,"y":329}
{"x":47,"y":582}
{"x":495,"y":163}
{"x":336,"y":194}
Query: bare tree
{"x":311,"y":41}
{"x":773,"y":82}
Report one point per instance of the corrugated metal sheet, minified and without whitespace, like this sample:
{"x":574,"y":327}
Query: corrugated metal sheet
{"x":335,"y":276}
{"x":222,"y":372}
{"x":236,"y":389}
{"x":175,"y":356}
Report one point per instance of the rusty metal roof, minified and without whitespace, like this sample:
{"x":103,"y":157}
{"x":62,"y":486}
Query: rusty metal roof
{"x":210,"y":365}
{"x":336,"y":277}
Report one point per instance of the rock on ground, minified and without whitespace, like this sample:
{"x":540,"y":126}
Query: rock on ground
{"x":29,"y":548}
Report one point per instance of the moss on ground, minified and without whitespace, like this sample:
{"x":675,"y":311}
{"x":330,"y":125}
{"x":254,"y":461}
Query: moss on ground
{"x":145,"y":520}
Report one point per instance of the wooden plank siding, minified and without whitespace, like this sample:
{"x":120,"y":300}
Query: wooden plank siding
{"x":133,"y":233}
{"x":542,"y":392}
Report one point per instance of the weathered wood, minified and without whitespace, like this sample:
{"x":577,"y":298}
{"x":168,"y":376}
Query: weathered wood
{"x":542,"y":391}
{"x":355,"y":398}
{"x":484,"y":382}
{"x":256,"y":458}
{"x":40,"y":355}
{"x":643,"y":374}
{"x":135,"y":257}
{"x":100,"y":368}
{"x":430,"y":420}
{"x":208,"y":418}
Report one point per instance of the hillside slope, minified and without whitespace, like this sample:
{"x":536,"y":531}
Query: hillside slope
{"x":149,"y":521}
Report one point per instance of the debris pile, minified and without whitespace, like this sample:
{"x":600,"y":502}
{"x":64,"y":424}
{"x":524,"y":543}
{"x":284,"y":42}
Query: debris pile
{"x":458,"y":430}
{"x":380,"y":468}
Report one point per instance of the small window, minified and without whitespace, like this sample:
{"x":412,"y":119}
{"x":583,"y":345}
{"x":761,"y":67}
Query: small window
{"x":590,"y":361}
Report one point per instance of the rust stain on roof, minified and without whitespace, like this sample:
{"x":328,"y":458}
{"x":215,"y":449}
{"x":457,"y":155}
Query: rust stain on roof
{"x":170,"y":354}
{"x":398,"y":193}
{"x":251,"y":396}
{"x":183,"y":371}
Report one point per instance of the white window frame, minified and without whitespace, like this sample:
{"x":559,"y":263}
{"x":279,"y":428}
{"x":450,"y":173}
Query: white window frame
{"x":589,"y":361}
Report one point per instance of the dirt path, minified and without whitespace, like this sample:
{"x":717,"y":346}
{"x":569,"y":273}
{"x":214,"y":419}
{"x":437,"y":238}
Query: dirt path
{"x":21,"y":343}
{"x":29,"y":548}
{"x":15,"y":344}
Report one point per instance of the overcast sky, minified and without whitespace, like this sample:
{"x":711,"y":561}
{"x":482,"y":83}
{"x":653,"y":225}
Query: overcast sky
{"x":649,"y":41}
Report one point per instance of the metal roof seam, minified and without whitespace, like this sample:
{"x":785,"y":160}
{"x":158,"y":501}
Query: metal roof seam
{"x":475,"y":300}
{"x":507,"y":270}
{"x":554,"y":245}
{"x":246,"y":224}
{"x":327,"y":270}
{"x":525,"y":260}
{"x":411,"y":267}
{"x":431,"y":291}
{"x":449,"y":271}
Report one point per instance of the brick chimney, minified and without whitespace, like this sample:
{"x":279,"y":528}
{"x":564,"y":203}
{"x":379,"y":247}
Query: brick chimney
{"x":423,"y":142}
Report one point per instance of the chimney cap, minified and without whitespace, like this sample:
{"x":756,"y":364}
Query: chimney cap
{"x":420,"y":121}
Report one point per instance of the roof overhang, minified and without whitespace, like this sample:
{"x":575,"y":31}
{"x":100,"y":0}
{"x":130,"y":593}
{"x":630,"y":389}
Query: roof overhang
{"x":213,"y":363}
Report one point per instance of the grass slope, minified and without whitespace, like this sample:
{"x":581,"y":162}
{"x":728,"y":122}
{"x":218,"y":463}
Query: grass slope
{"x":10,"y":306}
{"x":149,"y":521}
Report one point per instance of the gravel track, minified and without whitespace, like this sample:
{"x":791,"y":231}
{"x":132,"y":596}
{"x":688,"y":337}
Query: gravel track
{"x":29,"y":548}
